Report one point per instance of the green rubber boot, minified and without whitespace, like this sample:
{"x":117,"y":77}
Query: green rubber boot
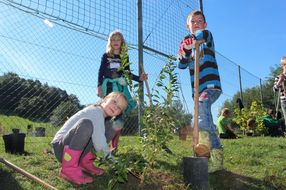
{"x":216,"y":160}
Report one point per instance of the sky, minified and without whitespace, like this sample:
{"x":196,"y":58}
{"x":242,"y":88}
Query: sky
{"x":251,"y":33}
{"x":247,"y":32}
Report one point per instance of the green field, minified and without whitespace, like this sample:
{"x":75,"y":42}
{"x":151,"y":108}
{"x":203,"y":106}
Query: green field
{"x":7,"y":123}
{"x":251,"y":163}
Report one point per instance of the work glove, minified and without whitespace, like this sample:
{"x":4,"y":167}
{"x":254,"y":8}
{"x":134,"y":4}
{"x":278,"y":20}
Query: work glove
{"x":185,"y":47}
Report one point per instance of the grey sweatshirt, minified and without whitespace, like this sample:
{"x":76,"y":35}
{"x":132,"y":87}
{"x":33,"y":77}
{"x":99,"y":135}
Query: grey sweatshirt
{"x":97,"y":116}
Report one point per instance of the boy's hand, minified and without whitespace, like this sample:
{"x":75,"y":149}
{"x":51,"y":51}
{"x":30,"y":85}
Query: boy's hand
{"x":181,"y":52}
{"x":188,"y":43}
{"x":185,"y":47}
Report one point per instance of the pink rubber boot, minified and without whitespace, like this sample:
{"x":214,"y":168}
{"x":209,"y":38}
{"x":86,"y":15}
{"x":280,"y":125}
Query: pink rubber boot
{"x":70,"y":169}
{"x":87,"y":165}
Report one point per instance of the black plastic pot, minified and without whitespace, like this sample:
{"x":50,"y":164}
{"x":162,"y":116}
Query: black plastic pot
{"x":249,"y":134}
{"x":14,"y":143}
{"x":40,"y":131}
{"x":195,"y":171}
{"x":15,"y":130}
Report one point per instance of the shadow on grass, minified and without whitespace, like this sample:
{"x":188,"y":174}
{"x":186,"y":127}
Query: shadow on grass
{"x":222,"y":180}
{"x":8,"y":182}
{"x":226,"y":180}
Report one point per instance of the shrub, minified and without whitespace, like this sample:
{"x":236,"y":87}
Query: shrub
{"x":256,"y":112}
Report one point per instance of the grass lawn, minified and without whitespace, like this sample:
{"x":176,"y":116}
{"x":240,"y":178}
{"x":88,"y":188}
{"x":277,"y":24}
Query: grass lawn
{"x":251,"y":163}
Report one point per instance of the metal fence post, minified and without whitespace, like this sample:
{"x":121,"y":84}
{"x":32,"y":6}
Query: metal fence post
{"x":240,"y":86}
{"x":201,"y":5}
{"x":140,"y":61}
{"x":261,"y":95}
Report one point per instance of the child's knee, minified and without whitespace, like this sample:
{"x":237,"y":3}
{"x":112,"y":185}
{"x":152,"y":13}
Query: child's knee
{"x":86,"y":126}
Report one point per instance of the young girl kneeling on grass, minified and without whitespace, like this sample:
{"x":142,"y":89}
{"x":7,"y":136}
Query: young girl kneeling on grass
{"x":73,"y":143}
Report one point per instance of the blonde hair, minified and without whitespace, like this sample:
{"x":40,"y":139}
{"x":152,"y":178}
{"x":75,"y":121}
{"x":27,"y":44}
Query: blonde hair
{"x":195,"y":13}
{"x":251,"y":122}
{"x":283,"y":60}
{"x":225,"y":111}
{"x":117,"y":95}
{"x":109,"y":49}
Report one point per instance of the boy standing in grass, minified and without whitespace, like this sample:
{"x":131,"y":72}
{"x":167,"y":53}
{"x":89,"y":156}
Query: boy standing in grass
{"x":279,"y":85}
{"x":209,"y":82}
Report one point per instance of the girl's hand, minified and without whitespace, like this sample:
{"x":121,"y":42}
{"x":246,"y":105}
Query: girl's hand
{"x":143,"y":77}
{"x":113,"y":149}
{"x":99,"y":92}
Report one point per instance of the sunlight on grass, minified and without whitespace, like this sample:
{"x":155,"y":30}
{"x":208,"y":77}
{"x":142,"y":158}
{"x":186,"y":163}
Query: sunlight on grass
{"x":250,"y":163}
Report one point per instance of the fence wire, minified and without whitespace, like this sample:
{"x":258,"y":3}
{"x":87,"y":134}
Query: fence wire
{"x":50,"y":52}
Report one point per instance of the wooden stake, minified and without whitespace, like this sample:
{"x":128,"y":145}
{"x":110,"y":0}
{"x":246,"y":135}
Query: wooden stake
{"x":26,"y":174}
{"x":196,"y":93}
{"x":278,"y":100}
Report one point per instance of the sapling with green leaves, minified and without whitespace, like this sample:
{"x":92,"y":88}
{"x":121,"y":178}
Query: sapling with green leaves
{"x":158,"y":122}
{"x":159,"y":119}
{"x":124,"y":57}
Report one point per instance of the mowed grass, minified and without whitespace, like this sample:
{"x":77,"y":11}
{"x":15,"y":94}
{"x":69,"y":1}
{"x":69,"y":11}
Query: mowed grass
{"x":7,"y":123}
{"x":250,"y":163}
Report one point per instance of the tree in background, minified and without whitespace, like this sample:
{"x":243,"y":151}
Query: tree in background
{"x":253,"y":107}
{"x":31,"y":99}
{"x":29,"y":108}
{"x":254,"y":94}
{"x":183,"y":119}
{"x":63,"y":112}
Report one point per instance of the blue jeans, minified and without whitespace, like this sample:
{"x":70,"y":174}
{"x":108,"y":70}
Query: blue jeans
{"x":283,"y":107}
{"x":206,"y":99}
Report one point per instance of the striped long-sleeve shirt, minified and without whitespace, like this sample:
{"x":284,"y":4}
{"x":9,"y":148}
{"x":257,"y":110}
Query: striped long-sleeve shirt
{"x":209,"y":74}
{"x":280,"y":88}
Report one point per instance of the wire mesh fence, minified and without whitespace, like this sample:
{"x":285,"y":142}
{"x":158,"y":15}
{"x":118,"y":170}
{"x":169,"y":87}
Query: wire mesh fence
{"x":50,"y":54}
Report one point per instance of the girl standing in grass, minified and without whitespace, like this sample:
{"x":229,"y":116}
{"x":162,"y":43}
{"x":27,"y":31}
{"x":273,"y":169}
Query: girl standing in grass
{"x":112,"y":78}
